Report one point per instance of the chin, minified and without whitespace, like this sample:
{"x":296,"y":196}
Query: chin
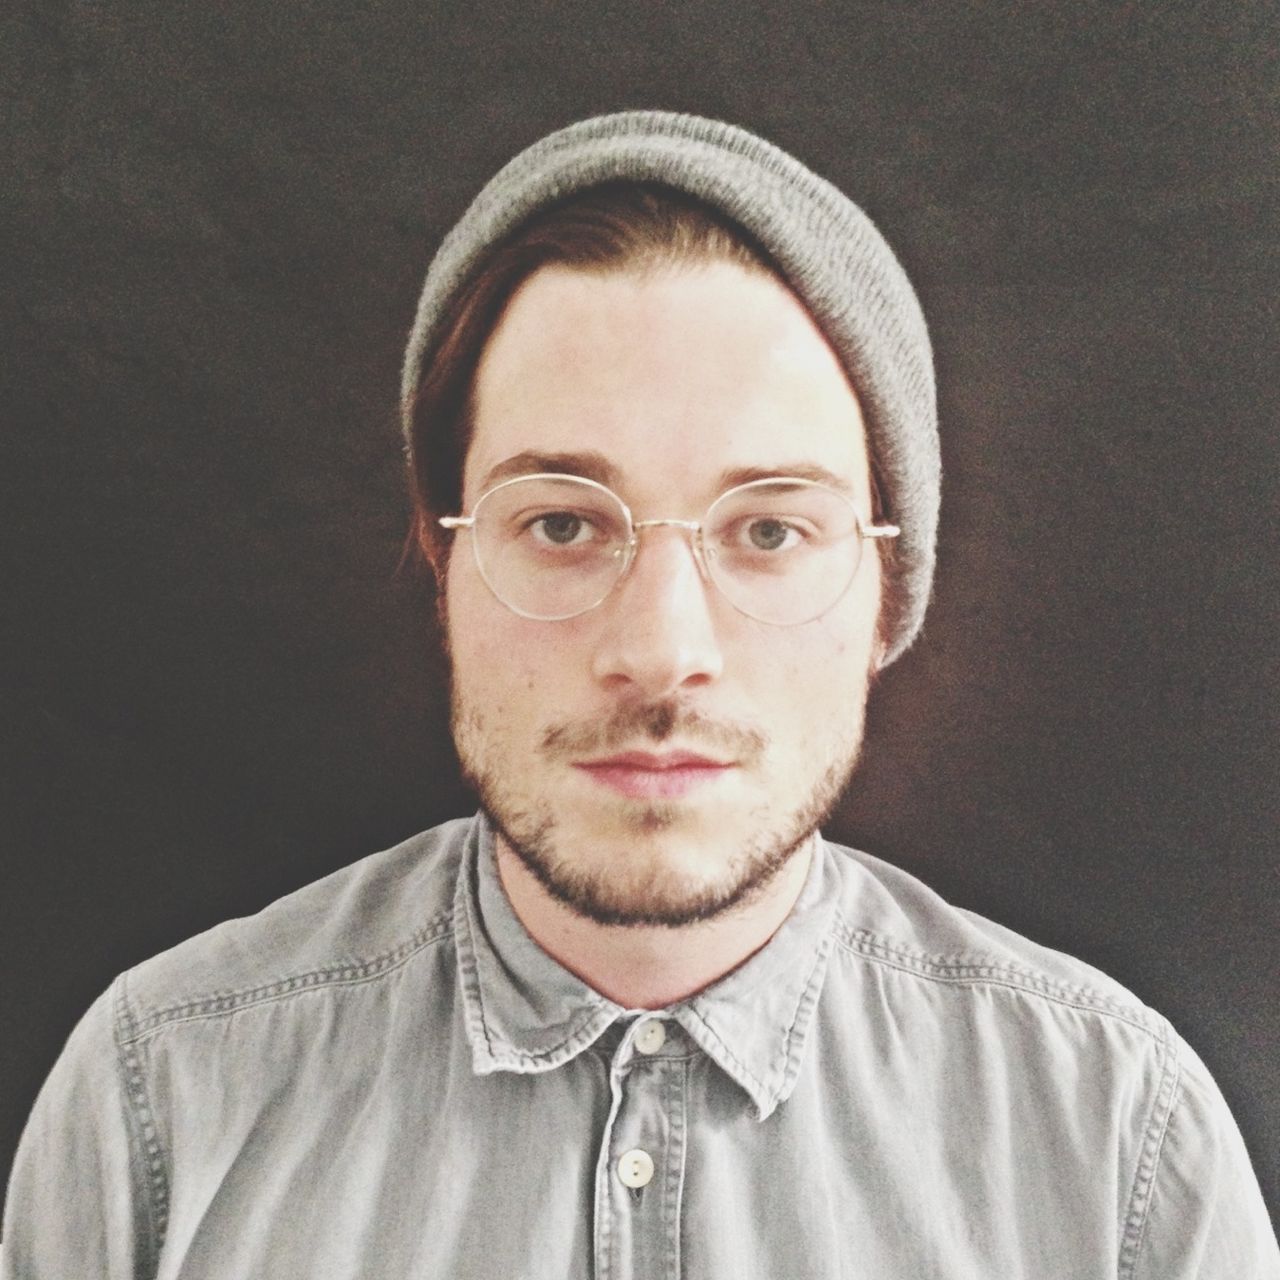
{"x":646,"y":872}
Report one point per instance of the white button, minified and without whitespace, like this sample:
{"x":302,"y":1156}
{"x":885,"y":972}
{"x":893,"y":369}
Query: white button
{"x":635,"y":1168}
{"x":651,"y":1036}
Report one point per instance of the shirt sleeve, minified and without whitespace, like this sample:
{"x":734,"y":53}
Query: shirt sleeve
{"x":79,"y":1201}
{"x":1206,"y":1218}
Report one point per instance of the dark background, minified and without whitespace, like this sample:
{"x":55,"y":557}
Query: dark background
{"x":215,"y":683}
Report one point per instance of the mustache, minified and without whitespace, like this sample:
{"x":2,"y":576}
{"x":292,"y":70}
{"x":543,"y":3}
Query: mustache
{"x":658,"y":722}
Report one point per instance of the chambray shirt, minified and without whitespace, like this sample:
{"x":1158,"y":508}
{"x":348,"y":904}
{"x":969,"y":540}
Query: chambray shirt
{"x":383,"y":1076}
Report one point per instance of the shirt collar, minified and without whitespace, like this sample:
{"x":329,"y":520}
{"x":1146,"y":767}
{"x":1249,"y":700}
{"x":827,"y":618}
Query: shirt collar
{"x":526,"y":1013}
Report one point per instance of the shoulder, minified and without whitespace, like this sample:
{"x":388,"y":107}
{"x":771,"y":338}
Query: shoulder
{"x":1004,"y":1036}
{"x":890,"y":918}
{"x":353,"y":925}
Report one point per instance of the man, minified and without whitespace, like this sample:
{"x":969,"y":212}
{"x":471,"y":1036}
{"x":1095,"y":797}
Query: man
{"x":670,"y":415}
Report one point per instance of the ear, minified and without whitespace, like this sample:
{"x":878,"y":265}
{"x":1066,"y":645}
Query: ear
{"x":423,"y":539}
{"x":425,"y":535}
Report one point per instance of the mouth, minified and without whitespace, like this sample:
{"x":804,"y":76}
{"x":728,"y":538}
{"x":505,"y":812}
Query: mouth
{"x":643,"y":775}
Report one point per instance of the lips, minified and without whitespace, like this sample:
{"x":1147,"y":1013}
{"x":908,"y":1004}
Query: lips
{"x":644,"y":775}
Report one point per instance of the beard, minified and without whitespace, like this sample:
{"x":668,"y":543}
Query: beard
{"x":641,"y":887}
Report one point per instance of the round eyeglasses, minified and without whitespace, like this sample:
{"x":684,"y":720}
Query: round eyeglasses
{"x":780,"y":550}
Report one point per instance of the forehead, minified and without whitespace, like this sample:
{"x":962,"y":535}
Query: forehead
{"x":672,"y":381}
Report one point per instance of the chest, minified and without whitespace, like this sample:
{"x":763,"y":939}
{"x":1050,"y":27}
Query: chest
{"x":398,"y":1160}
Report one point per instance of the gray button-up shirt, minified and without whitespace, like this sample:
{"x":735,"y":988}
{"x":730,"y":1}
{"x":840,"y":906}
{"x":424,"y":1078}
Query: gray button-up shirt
{"x":383,"y":1076}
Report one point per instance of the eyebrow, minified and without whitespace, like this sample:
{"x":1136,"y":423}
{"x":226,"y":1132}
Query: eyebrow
{"x":595,"y":466}
{"x":790,"y":471}
{"x":589,"y":465}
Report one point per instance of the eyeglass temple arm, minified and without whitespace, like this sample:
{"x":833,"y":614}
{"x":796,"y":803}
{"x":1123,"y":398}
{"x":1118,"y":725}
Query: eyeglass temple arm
{"x":881,"y":531}
{"x":456,"y":522}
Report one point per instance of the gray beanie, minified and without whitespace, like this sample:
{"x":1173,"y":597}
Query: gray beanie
{"x":827,"y":248}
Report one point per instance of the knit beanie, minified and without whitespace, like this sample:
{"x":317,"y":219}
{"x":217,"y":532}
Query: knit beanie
{"x":831,"y":255}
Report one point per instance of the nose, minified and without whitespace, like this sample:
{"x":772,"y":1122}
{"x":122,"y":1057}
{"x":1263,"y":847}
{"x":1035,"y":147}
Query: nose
{"x":659,"y":632}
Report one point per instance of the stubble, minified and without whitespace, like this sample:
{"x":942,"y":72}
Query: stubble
{"x":640,"y":888}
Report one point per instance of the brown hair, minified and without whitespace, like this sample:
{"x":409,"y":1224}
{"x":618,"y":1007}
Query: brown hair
{"x":612,"y":227}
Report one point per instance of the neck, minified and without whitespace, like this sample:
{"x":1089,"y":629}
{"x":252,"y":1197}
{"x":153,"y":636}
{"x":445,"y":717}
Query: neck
{"x":650,"y":967}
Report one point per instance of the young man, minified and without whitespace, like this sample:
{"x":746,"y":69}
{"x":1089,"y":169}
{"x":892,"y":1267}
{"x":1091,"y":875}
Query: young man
{"x":670,"y":413}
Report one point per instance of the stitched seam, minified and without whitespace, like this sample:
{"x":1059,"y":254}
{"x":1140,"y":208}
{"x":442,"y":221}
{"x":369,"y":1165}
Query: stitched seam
{"x":677,"y":1082}
{"x":468,"y":968}
{"x":577,"y":1031}
{"x":604,"y":1189}
{"x":956,"y":971}
{"x":352,"y":973}
{"x":728,"y":1052}
{"x":1135,"y":1228}
{"x":143,"y":1121}
{"x":790,"y":1060}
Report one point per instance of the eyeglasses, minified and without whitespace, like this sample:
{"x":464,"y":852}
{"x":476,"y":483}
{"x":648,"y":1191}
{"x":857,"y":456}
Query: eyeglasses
{"x":780,"y":550}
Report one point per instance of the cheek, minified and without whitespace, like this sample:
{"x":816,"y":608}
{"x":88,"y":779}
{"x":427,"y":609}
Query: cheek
{"x":821,"y":682}
{"x":817,"y":682}
{"x":504,"y":666}
{"x":476,"y":641}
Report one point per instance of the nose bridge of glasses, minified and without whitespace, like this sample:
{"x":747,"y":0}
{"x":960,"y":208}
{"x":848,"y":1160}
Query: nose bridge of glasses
{"x":692,"y":527}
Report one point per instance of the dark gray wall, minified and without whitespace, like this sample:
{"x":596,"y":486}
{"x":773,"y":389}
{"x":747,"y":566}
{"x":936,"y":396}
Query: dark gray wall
{"x":214,"y":680}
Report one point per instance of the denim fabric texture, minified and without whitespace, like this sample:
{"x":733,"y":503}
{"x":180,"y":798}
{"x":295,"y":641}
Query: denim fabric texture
{"x":383,"y":1076}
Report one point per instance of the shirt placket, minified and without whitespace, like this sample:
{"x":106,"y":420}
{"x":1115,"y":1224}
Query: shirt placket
{"x":640,"y":1171}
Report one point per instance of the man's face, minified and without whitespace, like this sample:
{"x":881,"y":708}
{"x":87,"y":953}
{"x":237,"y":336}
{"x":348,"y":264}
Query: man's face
{"x":658,"y":758}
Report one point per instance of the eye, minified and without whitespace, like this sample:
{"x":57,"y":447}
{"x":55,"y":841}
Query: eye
{"x":560,"y":528}
{"x":770,"y":533}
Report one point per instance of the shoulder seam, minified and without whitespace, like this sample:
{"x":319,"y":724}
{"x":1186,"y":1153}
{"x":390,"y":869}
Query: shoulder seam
{"x":963,"y":970}
{"x":142,"y":1117}
{"x":347,"y":973}
{"x":1162,"y":1106}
